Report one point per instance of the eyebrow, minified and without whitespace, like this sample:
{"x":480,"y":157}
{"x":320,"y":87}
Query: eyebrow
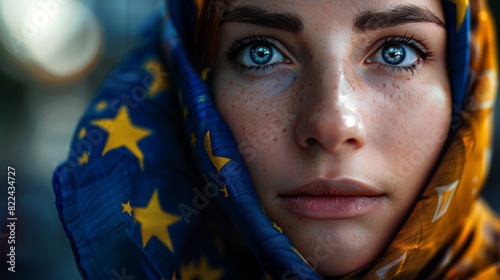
{"x":288,"y":22}
{"x":368,"y":21}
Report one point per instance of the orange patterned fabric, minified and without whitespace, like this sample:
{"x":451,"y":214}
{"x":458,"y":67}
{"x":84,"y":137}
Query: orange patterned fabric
{"x":452,"y":233}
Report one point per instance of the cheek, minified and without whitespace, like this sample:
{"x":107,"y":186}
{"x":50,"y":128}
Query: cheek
{"x":415,"y":130}
{"x":256,"y":121}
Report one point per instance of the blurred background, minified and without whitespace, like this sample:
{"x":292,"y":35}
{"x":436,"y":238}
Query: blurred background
{"x":53,"y":56}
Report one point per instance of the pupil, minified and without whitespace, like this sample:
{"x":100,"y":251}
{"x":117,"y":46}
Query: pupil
{"x":261,"y":54}
{"x":394,"y":54}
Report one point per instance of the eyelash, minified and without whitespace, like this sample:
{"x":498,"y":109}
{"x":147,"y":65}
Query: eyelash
{"x":423,"y":52}
{"x":238,"y":45}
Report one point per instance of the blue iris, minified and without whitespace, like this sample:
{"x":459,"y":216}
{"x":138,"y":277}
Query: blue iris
{"x":394,"y":54}
{"x":261,"y":54}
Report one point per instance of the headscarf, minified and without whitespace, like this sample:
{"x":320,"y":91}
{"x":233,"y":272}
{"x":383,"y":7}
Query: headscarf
{"x":154,"y":186}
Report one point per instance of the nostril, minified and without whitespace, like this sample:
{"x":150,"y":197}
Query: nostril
{"x":310,"y":141}
{"x":352,"y":141}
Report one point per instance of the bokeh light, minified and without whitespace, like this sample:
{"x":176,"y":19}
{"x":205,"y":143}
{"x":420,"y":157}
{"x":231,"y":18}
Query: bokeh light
{"x":58,"y":37}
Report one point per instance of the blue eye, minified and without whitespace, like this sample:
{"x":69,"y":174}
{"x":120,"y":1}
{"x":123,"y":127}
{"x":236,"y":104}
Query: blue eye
{"x":394,"y":54}
{"x":256,"y":53}
{"x":400,"y":54}
{"x":259,"y":54}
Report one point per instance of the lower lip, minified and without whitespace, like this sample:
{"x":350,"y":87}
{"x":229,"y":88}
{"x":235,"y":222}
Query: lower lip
{"x":330,"y":207}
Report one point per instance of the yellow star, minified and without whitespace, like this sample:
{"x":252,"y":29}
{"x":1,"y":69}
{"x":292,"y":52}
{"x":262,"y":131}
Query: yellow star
{"x":204,"y":74}
{"x":155,"y":222}
{"x":299,"y":254}
{"x":84,"y":159}
{"x":160,"y":80}
{"x":122,"y":133}
{"x":224,"y":191}
{"x":193,"y":139}
{"x":219,"y":162}
{"x":126,"y":208}
{"x":101,"y":105}
{"x":82,"y":133}
{"x":185,"y":112}
{"x":201,"y":271}
{"x":277,"y":227}
{"x":461,"y":10}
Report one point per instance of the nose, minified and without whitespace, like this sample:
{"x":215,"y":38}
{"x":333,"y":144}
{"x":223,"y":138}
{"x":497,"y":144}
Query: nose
{"x":329,"y":119}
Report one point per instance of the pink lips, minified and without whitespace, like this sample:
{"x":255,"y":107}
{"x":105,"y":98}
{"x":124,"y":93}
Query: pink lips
{"x":331,"y":199}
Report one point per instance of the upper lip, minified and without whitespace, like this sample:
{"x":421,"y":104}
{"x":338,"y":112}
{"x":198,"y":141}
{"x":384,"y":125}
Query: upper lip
{"x":332,"y":187}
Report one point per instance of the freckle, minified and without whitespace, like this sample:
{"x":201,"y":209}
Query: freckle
{"x":224,"y":94}
{"x":275,"y":139}
{"x":310,"y":84}
{"x":284,"y":129}
{"x":300,"y":99}
{"x":231,"y":83}
{"x":302,"y":86}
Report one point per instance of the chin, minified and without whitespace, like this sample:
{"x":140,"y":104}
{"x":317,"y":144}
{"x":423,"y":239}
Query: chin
{"x":337,"y":248}
{"x":337,"y":266}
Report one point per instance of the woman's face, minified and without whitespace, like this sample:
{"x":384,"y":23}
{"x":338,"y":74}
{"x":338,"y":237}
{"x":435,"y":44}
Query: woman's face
{"x":340,"y":110}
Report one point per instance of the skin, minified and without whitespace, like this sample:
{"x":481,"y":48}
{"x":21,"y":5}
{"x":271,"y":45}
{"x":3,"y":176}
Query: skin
{"x":329,"y":111}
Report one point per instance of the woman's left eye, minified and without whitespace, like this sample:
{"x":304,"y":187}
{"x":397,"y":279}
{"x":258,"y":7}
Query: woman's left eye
{"x":399,"y":54}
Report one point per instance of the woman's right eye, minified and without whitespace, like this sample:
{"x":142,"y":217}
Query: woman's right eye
{"x":256,"y":53}
{"x":259,"y":54}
